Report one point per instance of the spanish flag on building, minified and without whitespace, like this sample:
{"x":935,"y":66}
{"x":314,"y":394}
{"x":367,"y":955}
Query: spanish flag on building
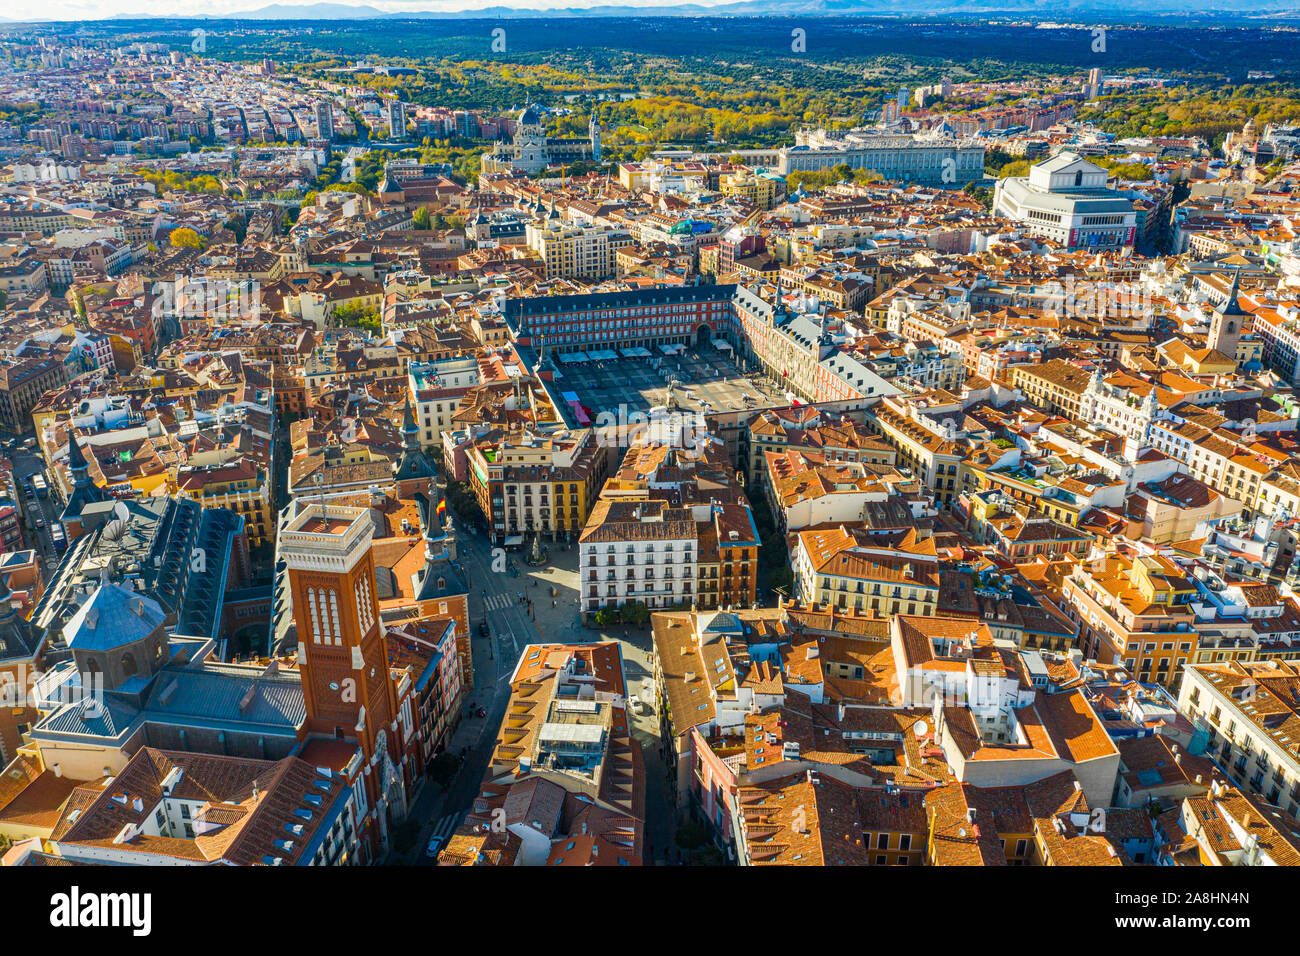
{"x":442,"y":507}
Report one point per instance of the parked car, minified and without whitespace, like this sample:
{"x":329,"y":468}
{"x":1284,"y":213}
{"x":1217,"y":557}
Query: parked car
{"x":483,"y":629}
{"x":434,"y":847}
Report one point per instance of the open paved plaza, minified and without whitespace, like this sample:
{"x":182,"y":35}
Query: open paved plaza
{"x":707,"y":380}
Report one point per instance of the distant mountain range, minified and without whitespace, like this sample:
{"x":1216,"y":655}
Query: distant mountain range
{"x":1072,"y":9}
{"x":1066,"y":10}
{"x":310,"y":11}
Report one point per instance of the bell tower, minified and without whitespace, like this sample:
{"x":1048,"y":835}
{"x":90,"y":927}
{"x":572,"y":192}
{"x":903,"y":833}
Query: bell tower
{"x":1226,"y":324}
{"x":341,"y":649}
{"x":414,"y":472}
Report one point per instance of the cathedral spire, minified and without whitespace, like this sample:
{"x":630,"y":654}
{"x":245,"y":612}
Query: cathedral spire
{"x":1232,"y":305}
{"x":410,"y":428}
{"x":413,"y":465}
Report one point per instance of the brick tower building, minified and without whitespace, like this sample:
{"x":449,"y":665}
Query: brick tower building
{"x":347,"y":688}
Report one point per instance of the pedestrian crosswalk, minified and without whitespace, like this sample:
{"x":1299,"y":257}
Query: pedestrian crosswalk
{"x":499,"y":602}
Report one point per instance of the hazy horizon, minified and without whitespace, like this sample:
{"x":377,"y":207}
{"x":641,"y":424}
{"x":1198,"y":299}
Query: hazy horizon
{"x":59,"y":10}
{"x":74,"y":10}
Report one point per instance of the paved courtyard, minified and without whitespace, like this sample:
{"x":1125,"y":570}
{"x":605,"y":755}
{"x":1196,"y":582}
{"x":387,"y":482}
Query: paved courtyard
{"x":707,"y":380}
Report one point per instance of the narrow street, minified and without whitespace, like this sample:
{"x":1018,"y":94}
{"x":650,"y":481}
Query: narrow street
{"x":496,"y":601}
{"x":25,"y":464}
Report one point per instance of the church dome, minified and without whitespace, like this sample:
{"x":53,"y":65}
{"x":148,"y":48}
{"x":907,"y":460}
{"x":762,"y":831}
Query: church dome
{"x":113,"y":617}
{"x":530,"y":116}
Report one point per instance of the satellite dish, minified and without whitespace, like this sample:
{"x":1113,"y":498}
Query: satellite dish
{"x":921,"y":728}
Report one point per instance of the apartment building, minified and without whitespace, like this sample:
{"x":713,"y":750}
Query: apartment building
{"x":22,"y":650}
{"x":22,"y":276}
{"x":1056,"y":386}
{"x":638,"y":551}
{"x":804,"y":492}
{"x":22,"y":383}
{"x":1232,"y":464}
{"x":1019,"y":532}
{"x":569,"y":251}
{"x":526,"y":482}
{"x":1250,"y":712}
{"x":46,"y":220}
{"x":566,"y":777}
{"x":1229,"y":827}
{"x":1278,"y":329}
{"x":881,"y":573}
{"x":171,"y":808}
{"x":807,"y":429}
{"x":1134,"y":609}
{"x":241,"y":486}
{"x":1162,"y":512}
{"x":758,"y":189}
{"x":437,"y":390}
{"x":702,"y":663}
{"x":930,"y":449}
{"x":727,"y":566}
{"x":704,"y":555}
{"x":996,"y":724}
{"x":1049,"y":822}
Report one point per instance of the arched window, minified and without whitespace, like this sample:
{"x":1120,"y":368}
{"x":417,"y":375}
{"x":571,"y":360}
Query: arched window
{"x":1078,"y":178}
{"x":364,"y":614}
{"x":334,"y":617}
{"x":315,"y":620}
{"x":368,"y":600}
{"x":128,"y":664}
{"x":324,"y":617}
